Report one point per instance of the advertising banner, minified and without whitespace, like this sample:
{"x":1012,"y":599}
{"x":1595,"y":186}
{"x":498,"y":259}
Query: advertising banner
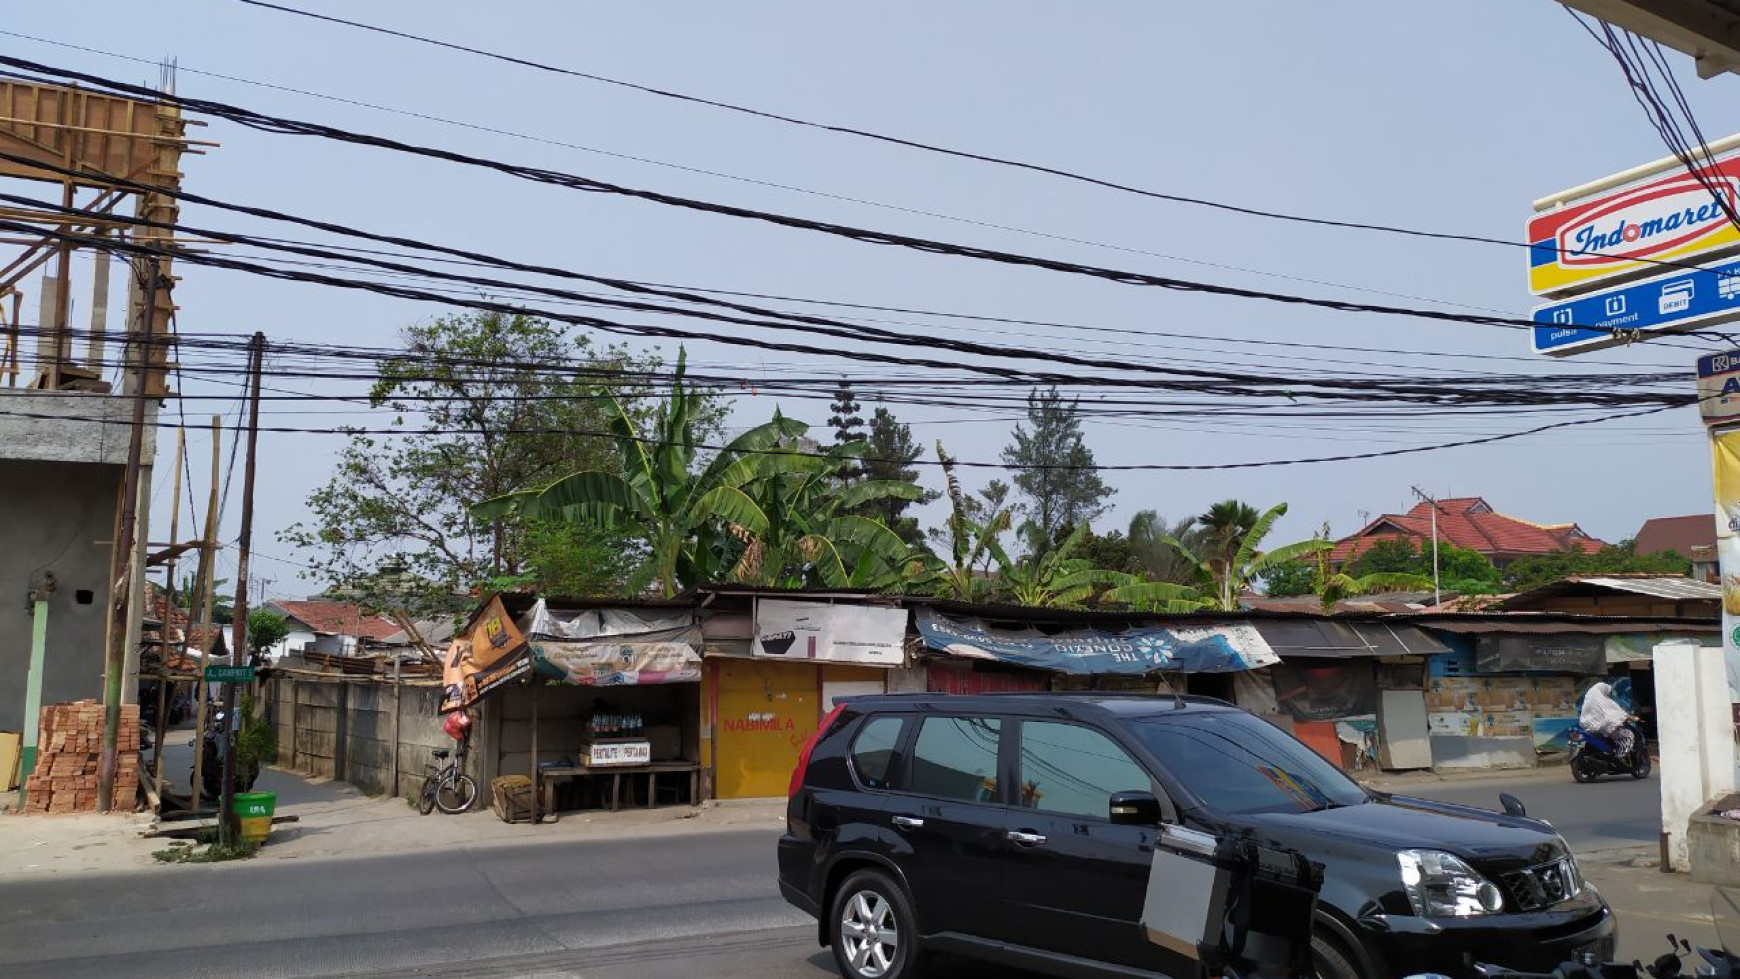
{"x":1611,"y":234}
{"x":490,"y":653}
{"x":1136,"y":651}
{"x":1725,"y":453}
{"x":672,"y":656}
{"x":866,"y":635}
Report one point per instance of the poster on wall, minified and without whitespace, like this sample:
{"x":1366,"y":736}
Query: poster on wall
{"x":1325,"y":693}
{"x":866,"y":635}
{"x":1541,"y":653}
{"x":490,"y":653}
{"x":1725,"y":449}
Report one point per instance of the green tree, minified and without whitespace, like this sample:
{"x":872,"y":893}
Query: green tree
{"x":1461,"y":571}
{"x":491,"y":403}
{"x":968,"y":543}
{"x":847,"y":424}
{"x":1228,"y":560}
{"x":1057,"y":578}
{"x":1054,"y":469}
{"x":889,"y":459}
{"x":1158,"y":560}
{"x":187,"y":597}
{"x":1111,"y":550}
{"x":266,"y":629}
{"x":814,"y":533}
{"x":1290,"y":578}
{"x":695,"y":526}
{"x":1533,"y":572}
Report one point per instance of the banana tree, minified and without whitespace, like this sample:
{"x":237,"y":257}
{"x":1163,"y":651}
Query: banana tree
{"x":1232,"y":556}
{"x":1057,"y":579}
{"x":812,"y":535}
{"x":658,"y":498}
{"x":970,"y":543}
{"x":1334,"y":586}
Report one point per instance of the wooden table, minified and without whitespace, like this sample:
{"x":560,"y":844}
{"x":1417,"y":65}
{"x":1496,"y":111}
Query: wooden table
{"x":548,"y":777}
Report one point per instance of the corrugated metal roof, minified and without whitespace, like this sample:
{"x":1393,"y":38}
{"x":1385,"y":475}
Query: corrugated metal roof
{"x":1675,"y":588}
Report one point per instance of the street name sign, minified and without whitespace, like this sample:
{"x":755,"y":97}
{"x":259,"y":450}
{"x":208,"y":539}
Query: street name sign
{"x":1622,"y":229}
{"x":1673,"y":303}
{"x":229,"y":674}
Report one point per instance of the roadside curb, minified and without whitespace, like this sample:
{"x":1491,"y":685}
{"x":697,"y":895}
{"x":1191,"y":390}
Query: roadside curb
{"x":1642,"y":855}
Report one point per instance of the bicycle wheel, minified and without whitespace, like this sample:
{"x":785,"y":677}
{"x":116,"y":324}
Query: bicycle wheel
{"x":456,"y":794}
{"x":426,"y":797}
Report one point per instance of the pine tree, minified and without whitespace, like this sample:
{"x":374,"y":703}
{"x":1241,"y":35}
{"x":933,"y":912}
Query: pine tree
{"x":847,"y":424}
{"x":892,"y":451}
{"x":1054,"y":470}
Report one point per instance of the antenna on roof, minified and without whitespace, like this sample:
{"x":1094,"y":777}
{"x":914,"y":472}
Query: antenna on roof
{"x":1177,"y":697}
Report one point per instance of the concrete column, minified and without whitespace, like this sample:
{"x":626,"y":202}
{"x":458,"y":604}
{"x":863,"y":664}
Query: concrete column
{"x":1695,"y":722}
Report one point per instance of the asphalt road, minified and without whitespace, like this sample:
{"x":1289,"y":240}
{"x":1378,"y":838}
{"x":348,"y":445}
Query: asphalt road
{"x":692,"y":906}
{"x":1612,"y":814}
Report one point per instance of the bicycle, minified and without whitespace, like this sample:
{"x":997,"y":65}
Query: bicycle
{"x":448,"y":788}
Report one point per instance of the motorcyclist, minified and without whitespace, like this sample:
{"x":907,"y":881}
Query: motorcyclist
{"x":1605,"y":717}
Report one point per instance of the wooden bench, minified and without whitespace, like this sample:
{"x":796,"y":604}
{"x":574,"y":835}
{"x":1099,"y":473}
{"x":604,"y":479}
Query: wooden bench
{"x":548,"y":777}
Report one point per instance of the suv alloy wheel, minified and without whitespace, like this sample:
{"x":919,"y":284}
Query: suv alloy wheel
{"x":873,"y":930}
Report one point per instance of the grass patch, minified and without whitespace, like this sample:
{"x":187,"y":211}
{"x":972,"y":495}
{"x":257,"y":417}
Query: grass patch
{"x":206,"y":849}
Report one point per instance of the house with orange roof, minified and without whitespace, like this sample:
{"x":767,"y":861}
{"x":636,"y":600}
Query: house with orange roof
{"x":1470,"y":523}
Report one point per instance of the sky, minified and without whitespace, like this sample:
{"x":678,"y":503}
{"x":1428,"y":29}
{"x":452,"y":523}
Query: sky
{"x":1448,"y":117}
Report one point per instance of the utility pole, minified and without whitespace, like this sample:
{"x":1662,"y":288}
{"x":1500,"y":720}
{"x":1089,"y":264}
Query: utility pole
{"x":239,"y":628}
{"x":116,"y":659}
{"x":204,"y":597}
{"x":1437,"y":589}
{"x":169,"y":602}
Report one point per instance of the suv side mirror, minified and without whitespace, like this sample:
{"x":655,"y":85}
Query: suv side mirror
{"x":1512,"y":805}
{"x":1135,"y":809}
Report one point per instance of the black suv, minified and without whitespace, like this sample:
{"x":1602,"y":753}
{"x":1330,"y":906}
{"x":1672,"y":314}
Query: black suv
{"x":1021,"y":828}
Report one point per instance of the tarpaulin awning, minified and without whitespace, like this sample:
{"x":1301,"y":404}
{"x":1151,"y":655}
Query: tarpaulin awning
{"x":1132,"y":651}
{"x":1328,"y":639}
{"x":668,"y":656}
{"x":592,"y":623}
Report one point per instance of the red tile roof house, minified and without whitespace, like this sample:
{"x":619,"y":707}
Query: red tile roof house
{"x":1468,"y":522}
{"x":1692,"y":537}
{"x":328,"y":627}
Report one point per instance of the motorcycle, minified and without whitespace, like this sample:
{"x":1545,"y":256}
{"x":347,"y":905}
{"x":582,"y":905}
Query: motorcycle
{"x":211,"y":766}
{"x":1592,"y":756}
{"x":1718,"y":963}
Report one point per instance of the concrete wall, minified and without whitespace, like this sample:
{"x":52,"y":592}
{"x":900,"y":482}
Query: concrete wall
{"x":1697,"y":739}
{"x":80,"y":427}
{"x":343,"y":729}
{"x":57,"y":517}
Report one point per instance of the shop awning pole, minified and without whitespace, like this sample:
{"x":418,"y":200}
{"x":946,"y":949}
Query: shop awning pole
{"x":537,"y":788}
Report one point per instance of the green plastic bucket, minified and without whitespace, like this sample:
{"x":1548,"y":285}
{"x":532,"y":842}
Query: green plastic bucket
{"x":253,"y":811}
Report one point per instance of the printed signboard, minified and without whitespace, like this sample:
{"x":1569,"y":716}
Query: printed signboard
{"x":1719,"y":387}
{"x":491,"y":653}
{"x":1672,"y":303}
{"x":1135,"y":651}
{"x":1624,"y":232}
{"x":867,"y":635}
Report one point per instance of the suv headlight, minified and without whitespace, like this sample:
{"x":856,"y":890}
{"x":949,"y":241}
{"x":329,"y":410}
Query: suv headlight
{"x":1441,"y":885}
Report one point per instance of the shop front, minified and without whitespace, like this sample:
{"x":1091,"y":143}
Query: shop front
{"x":767,"y":696}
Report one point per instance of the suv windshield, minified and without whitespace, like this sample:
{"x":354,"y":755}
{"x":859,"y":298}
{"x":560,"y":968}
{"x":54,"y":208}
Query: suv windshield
{"x":1238,"y":763}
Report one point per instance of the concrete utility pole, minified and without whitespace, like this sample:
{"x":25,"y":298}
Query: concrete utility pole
{"x":116,"y":659}
{"x":204,"y":597}
{"x":1437,"y":589}
{"x":239,"y":628}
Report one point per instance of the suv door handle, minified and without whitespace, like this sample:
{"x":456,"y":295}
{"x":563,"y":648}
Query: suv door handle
{"x":908,"y":822}
{"x":1024,"y":838}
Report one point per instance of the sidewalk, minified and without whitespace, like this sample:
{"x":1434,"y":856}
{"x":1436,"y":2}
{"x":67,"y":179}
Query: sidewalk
{"x":335,"y":820}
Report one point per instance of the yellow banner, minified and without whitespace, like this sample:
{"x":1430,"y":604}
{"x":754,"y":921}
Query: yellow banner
{"x":490,"y":653}
{"x":1725,"y":461}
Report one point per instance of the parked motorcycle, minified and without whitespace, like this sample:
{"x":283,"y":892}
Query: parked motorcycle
{"x":211,"y":766}
{"x":1593,"y":756}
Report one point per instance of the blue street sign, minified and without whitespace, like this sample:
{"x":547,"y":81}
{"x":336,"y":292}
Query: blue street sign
{"x":1672,"y":303}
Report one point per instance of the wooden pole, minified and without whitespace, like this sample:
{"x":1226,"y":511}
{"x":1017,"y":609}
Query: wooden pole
{"x":207,"y":599}
{"x":169,"y":603}
{"x":227,"y":825}
{"x":537,"y":786}
{"x":115,"y":662}
{"x":398,"y":707}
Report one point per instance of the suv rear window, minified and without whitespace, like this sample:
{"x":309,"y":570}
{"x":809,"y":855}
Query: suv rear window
{"x":956,"y":758}
{"x":873,"y":750}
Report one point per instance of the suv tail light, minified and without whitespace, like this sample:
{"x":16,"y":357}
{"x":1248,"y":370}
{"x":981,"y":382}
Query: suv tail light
{"x":803,"y":762}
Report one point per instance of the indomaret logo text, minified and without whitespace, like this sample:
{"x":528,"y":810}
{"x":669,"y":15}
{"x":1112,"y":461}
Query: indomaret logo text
{"x":1646,"y":223}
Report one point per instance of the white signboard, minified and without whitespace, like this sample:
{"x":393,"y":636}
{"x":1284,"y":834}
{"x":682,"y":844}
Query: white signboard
{"x":619,"y":753}
{"x":863,"y":634}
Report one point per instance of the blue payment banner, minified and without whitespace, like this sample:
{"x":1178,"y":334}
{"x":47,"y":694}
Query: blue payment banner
{"x":1671,"y":303}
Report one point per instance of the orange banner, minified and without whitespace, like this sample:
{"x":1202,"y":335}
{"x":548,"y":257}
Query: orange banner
{"x":490,"y":653}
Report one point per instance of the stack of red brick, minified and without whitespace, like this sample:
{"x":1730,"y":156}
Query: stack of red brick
{"x":69,"y":744}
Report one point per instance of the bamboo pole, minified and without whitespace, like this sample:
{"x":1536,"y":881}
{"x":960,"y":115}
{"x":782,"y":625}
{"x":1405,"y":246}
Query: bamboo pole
{"x":206,"y":595}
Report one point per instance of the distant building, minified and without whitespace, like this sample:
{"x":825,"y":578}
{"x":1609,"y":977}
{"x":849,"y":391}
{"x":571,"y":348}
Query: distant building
{"x":334,"y":628}
{"x":1472,"y":524}
{"x":1692,"y":536}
